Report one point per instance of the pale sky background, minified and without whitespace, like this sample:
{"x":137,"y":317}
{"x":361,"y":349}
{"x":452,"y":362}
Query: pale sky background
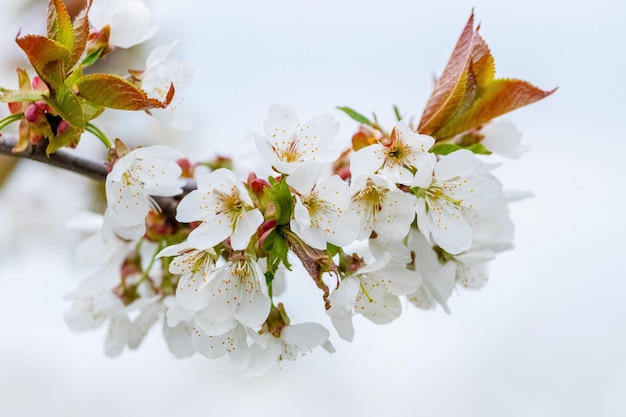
{"x":546,"y":337}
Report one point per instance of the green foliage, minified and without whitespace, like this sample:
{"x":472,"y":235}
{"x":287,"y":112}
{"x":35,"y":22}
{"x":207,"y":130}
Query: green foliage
{"x":278,"y":249}
{"x":448,"y":148}
{"x":354,"y":115}
{"x":280,"y":195}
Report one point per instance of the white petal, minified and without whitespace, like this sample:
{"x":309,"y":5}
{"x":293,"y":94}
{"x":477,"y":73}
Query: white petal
{"x":397,"y":280}
{"x":305,"y":336}
{"x":280,"y":125}
{"x":246,"y":226}
{"x":378,"y":306}
{"x":215,"y":346}
{"x":304,"y":177}
{"x":262,"y":359}
{"x":117,"y":336}
{"x":209,"y":234}
{"x":178,"y":339}
{"x":461,"y":163}
{"x":395,"y":217}
{"x":367,"y":160}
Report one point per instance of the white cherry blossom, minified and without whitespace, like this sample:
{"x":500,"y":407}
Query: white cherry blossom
{"x":460,"y":183}
{"x":289,"y":144}
{"x":405,"y":160}
{"x":140,"y":174}
{"x":218,"y":345}
{"x":438,"y":277}
{"x":322,"y":211}
{"x":159,"y":74}
{"x":295,"y":340}
{"x":196,"y":268}
{"x":381,"y":207}
{"x":372,"y":291}
{"x":225,"y":209}
{"x":129,"y":21}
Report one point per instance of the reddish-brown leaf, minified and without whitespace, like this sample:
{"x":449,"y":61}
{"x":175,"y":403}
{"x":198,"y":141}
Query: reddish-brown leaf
{"x":115,"y":92}
{"x":467,"y":94}
{"x":501,"y":96}
{"x":59,"y":24}
{"x":482,"y":63}
{"x":45,"y":55}
{"x":81,"y":34}
{"x":450,"y":87}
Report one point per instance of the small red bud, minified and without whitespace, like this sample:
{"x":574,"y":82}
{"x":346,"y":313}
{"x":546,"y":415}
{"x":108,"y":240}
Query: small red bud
{"x":31,"y":113}
{"x":62,"y":127}
{"x":38,"y":84}
{"x":265,"y":229}
{"x":344,"y":173}
{"x":186,"y":166}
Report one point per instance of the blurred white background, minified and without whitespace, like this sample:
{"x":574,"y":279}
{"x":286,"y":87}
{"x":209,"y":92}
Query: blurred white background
{"x":546,"y":337}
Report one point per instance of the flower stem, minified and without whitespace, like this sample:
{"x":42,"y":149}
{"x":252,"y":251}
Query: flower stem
{"x":94,"y":130}
{"x":10,"y":119}
{"x":146,"y":271}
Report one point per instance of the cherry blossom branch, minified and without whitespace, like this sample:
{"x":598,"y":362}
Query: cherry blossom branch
{"x":92,"y":169}
{"x":95,"y":170}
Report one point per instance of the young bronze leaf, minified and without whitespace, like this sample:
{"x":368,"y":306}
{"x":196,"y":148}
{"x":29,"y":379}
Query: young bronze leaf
{"x":59,"y":24}
{"x":450,"y":87}
{"x":482,"y":64}
{"x":41,"y":51}
{"x":114,"y":92}
{"x":502,"y":96}
{"x":81,"y":34}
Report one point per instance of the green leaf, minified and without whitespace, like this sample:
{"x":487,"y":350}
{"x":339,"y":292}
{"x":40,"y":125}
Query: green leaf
{"x":71,"y":136}
{"x":68,"y":106}
{"x":354,"y":115}
{"x":448,"y":148}
{"x":93,"y":56}
{"x":396,"y":112}
{"x":281,"y":196}
{"x":278,"y":248}
{"x":115,"y":92}
{"x":59,"y":25}
{"x":12,"y":96}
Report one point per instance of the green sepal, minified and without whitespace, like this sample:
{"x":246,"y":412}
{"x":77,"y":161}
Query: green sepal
{"x":356,"y":116}
{"x":448,"y":148}
{"x":93,"y":56}
{"x":281,"y":196}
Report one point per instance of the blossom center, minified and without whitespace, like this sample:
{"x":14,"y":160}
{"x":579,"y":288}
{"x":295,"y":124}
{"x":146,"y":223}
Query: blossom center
{"x":291,"y":153}
{"x":231,"y":205}
{"x":373,"y":197}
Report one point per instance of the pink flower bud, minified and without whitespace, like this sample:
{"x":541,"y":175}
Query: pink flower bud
{"x":62,"y":127}
{"x":31,"y":112}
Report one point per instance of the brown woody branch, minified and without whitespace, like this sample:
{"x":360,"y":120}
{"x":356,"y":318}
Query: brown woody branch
{"x":92,"y":169}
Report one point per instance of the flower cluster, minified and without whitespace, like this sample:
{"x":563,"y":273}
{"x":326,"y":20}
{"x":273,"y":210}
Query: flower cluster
{"x":412,"y":212}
